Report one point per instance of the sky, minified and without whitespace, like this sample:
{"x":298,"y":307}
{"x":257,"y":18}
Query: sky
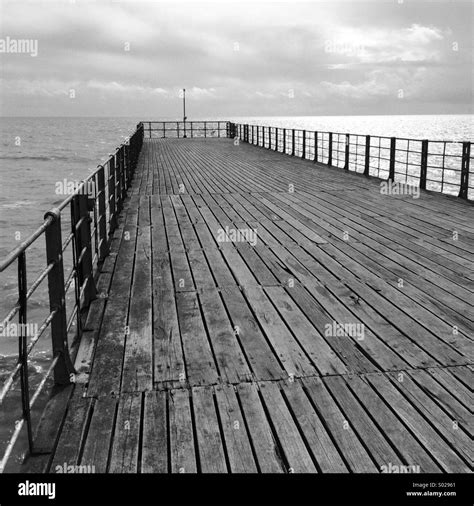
{"x":246,"y":58}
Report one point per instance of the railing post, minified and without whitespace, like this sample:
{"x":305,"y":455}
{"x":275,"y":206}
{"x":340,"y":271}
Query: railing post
{"x":118,"y":180}
{"x":177,"y":129}
{"x":164,"y":130}
{"x":112,"y":206}
{"x":276,"y":138}
{"x":269,"y":137}
{"x":134,"y":152}
{"x":284,"y":141}
{"x":367,"y":155}
{"x":149,"y":129}
{"x":103,"y":240}
{"x":126,"y":165}
{"x":424,"y":164}
{"x":126,"y":169}
{"x":346,"y":161}
{"x":23,"y":346}
{"x":82,"y":233}
{"x":57,"y":299}
{"x":465,"y":162}
{"x":292,"y":142}
{"x":330,"y":149}
{"x":205,"y":129}
{"x":303,"y":154}
{"x":315,"y":147}
{"x":393,"y":147}
{"x":123,"y":175}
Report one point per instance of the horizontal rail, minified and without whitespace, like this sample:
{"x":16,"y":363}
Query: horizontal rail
{"x":440,"y":166}
{"x":89,"y":247}
{"x":185,"y":129}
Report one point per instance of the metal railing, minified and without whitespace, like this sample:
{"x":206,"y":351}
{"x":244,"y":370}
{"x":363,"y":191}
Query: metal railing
{"x":185,"y":129}
{"x":441,"y":166}
{"x":96,"y":201}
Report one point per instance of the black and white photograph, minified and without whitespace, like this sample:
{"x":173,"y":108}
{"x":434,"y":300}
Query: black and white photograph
{"x":236,"y":252}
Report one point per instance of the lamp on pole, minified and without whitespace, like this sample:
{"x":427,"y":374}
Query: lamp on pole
{"x":184,"y":112}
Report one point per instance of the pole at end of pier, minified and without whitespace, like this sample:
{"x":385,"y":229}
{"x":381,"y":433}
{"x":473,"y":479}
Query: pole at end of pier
{"x":184,"y":112}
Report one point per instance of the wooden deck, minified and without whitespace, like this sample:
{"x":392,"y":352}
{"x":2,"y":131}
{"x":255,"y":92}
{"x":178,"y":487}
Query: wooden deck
{"x":338,"y":342}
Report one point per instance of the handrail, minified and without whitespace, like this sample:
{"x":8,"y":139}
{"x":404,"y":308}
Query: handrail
{"x":111,"y":182}
{"x":441,"y":166}
{"x":185,"y":129}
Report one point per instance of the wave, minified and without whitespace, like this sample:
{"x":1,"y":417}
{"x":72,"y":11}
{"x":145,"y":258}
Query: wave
{"x":43,"y":158}
{"x":18,"y":203}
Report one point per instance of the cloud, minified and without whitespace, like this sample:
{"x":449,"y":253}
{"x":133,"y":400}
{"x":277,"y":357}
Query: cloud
{"x":121,"y":56}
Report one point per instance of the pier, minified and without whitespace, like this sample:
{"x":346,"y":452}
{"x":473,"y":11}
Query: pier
{"x":248,"y":300}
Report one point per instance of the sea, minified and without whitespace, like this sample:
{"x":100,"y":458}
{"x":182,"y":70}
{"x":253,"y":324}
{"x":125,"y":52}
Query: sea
{"x":37,"y":152}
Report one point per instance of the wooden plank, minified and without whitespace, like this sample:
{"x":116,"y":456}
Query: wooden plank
{"x":137,"y":368}
{"x":182,"y":276}
{"x":262,"y":273}
{"x":158,"y":231}
{"x":168,"y":353}
{"x":73,"y":432}
{"x":200,"y":270}
{"x":154,"y":456}
{"x":107,"y":366}
{"x":225,"y":345}
{"x":260,"y":356}
{"x":121,"y":281}
{"x":287,"y":349}
{"x":182,"y":444}
{"x":268,"y":454}
{"x":200,"y":366}
{"x":296,"y":453}
{"x":234,"y":430}
{"x":100,"y":434}
{"x":124,"y":454}
{"x":209,"y":440}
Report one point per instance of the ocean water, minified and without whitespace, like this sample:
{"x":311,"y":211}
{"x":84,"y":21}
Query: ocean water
{"x":35,"y":153}
{"x":433,"y":127}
